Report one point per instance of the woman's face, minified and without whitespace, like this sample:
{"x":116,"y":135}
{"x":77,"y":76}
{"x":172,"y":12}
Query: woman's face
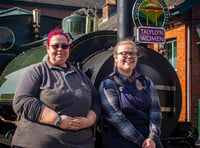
{"x":58,"y":50}
{"x":126,"y":59}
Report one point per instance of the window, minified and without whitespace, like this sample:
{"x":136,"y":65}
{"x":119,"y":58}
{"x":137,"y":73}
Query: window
{"x":7,"y":39}
{"x":169,"y":51}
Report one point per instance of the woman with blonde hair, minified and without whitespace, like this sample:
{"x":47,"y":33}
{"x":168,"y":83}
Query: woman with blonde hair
{"x":131,"y":114}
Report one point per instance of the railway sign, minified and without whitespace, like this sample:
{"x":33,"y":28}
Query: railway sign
{"x":151,"y":35}
{"x":149,"y":18}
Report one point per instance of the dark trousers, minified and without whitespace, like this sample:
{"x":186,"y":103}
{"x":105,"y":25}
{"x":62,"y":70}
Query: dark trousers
{"x":111,"y":139}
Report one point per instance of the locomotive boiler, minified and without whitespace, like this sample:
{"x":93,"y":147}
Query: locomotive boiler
{"x":93,"y":54}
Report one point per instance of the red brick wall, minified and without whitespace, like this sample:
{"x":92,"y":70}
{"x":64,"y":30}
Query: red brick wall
{"x":195,"y":75}
{"x":105,"y":11}
{"x":108,"y":10}
{"x":180,"y":34}
{"x":114,"y":2}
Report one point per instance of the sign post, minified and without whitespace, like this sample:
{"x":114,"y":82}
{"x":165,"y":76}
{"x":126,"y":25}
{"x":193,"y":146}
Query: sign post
{"x":149,"y":18}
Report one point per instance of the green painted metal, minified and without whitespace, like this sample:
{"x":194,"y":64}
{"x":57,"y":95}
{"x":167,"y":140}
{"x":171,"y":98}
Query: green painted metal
{"x":14,"y":11}
{"x":185,"y":6}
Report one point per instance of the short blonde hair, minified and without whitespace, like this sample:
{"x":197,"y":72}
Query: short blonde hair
{"x":124,"y":42}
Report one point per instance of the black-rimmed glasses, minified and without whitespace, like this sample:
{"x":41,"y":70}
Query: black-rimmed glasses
{"x":63,"y":46}
{"x":125,"y":54}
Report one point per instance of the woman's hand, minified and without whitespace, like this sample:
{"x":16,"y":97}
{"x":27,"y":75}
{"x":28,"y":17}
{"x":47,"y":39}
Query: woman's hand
{"x":149,"y":143}
{"x":78,"y":123}
{"x":66,"y":123}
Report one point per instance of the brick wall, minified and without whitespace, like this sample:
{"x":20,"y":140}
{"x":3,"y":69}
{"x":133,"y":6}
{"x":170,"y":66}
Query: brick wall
{"x":109,"y":8}
{"x":195,"y":68}
{"x":180,"y":34}
{"x":114,"y":2}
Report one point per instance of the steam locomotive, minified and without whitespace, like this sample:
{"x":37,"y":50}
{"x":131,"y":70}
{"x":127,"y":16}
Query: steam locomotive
{"x":92,"y":53}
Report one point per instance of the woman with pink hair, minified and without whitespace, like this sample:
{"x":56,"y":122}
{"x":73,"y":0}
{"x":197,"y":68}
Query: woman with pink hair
{"x":56,"y":102}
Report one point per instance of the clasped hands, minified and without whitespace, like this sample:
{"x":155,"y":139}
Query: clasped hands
{"x":75,"y":123}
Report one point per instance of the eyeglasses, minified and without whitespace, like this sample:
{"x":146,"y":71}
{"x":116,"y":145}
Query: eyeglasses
{"x":125,"y":54}
{"x":63,"y":46}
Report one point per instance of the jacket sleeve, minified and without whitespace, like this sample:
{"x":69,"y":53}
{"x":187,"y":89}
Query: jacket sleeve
{"x":155,"y":114}
{"x":95,"y":102}
{"x":26,"y":100}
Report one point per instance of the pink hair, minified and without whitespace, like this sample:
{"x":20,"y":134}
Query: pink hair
{"x":56,"y":31}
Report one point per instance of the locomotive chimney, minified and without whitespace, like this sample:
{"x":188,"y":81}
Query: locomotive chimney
{"x":124,"y":19}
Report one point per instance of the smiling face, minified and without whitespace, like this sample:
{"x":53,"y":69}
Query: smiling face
{"x":58,"y":50}
{"x":125,"y":57}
